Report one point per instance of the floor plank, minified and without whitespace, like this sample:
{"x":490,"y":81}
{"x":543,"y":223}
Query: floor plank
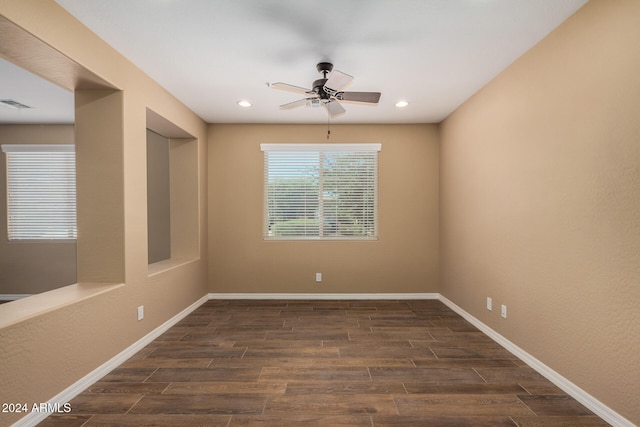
{"x":329,"y":404}
{"x":313,"y":420}
{"x":455,"y":404}
{"x":199,"y":403}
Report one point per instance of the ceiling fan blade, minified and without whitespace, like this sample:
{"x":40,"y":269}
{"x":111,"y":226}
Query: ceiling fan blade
{"x":295,"y":104}
{"x":290,"y":88}
{"x":334,"y":108}
{"x":336,"y":81}
{"x":366,"y":97}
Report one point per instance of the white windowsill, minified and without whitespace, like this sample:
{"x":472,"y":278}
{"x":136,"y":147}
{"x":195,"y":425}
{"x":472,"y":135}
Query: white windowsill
{"x":27,"y":308}
{"x":169,"y":264}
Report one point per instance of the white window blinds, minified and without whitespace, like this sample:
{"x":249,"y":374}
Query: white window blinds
{"x":41,"y":192}
{"x":320,"y":191}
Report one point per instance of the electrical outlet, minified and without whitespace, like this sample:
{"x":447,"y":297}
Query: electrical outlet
{"x":504,"y":311}
{"x":141,"y":312}
{"x":489,"y":304}
{"x":318,"y":277}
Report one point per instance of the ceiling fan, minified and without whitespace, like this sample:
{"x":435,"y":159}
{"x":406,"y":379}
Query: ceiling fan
{"x":326,"y":92}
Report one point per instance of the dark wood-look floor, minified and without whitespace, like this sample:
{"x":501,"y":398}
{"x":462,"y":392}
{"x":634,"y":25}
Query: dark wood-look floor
{"x":324,"y":363}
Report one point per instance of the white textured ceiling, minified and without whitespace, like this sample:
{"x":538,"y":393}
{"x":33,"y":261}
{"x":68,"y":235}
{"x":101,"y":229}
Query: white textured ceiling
{"x":48,"y":103}
{"x":212,"y":53}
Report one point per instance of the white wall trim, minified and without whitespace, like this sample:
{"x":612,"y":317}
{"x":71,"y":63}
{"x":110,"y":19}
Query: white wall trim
{"x":593,"y":404}
{"x":83,"y":383}
{"x":401,"y":296}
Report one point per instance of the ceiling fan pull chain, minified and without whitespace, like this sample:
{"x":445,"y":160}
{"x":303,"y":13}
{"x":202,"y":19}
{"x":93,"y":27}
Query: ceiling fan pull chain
{"x":328,"y":127}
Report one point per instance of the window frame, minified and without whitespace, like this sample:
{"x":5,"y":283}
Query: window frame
{"x":323,"y":149}
{"x":68,"y":228}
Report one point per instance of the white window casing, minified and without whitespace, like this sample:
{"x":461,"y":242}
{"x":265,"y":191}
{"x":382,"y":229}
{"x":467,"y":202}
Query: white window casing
{"x":320,"y":191}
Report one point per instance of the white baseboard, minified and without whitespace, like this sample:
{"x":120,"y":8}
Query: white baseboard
{"x":79,"y":386}
{"x":400,"y":296}
{"x":13,"y":297}
{"x":590,"y":402}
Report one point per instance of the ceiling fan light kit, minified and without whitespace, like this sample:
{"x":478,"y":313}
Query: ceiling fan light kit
{"x":327,"y":92}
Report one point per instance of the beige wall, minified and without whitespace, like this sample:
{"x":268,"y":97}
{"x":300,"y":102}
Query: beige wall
{"x":32,"y":267}
{"x":51,"y":340}
{"x":403,"y":260}
{"x":540,"y":202}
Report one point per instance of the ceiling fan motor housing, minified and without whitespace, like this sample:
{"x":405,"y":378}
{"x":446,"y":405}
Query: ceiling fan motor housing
{"x":323,"y":68}
{"x":318,"y":87}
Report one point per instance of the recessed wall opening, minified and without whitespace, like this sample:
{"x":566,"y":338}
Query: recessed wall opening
{"x":36,"y":255}
{"x":172,"y":194}
{"x":55,"y":272}
{"x":158,"y":198}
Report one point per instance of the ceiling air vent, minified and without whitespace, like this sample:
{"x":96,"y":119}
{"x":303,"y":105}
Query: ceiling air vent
{"x":13,"y":104}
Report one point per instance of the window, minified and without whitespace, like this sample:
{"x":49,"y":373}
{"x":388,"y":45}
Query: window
{"x":320,"y":191}
{"x":41,"y":192}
